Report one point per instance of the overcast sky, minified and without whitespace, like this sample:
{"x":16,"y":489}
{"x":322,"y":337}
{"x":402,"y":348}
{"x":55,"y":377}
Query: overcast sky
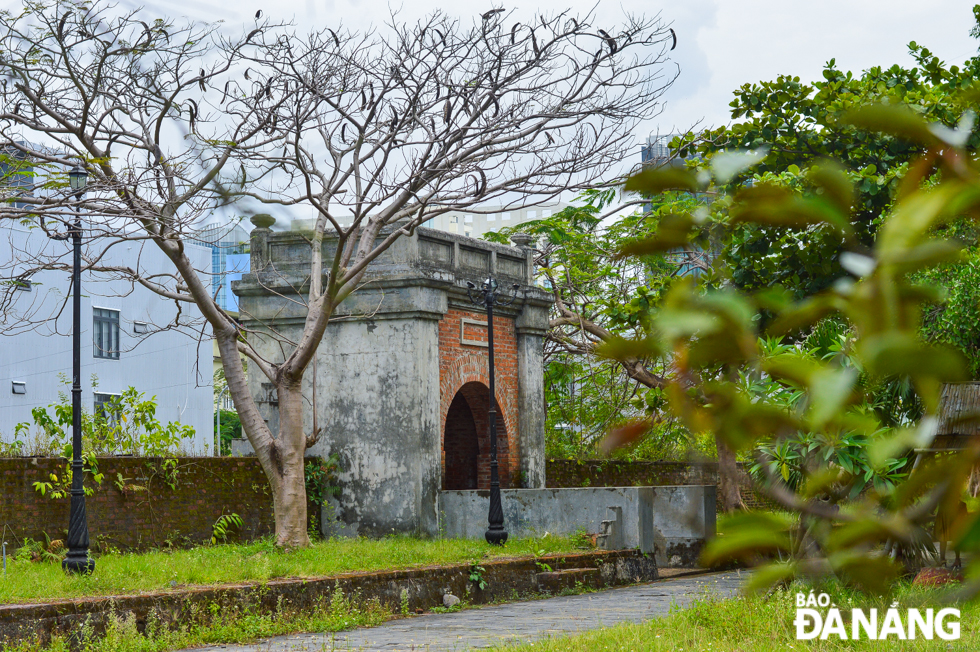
{"x":721,"y":43}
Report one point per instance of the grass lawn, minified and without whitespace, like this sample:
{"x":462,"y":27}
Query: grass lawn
{"x":116,"y":574}
{"x":759,"y":624}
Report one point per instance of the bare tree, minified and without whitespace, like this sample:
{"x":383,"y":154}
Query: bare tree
{"x":376,"y":133}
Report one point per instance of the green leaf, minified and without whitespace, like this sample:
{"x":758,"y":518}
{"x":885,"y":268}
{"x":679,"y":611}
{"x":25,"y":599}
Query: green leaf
{"x":726,"y":165}
{"x":618,"y":348}
{"x":927,"y":254}
{"x":916,"y":214}
{"x":770,"y":575}
{"x":674,"y":323}
{"x":869,"y":573}
{"x":653,"y":181}
{"x":830,"y":391}
{"x":901,"y":440}
{"x":894,"y":119}
{"x":674,"y":232}
{"x":829,"y":177}
{"x":769,"y":205}
{"x":958,"y":137}
{"x":969,"y":539}
{"x":802,"y":314}
{"x":748,"y":535}
{"x":898,"y":353}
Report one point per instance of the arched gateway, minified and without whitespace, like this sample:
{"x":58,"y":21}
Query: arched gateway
{"x":401,"y":380}
{"x":466,"y":440}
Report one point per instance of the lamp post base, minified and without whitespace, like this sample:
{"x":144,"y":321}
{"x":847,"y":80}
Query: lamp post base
{"x":78,"y":564}
{"x":496,"y":536}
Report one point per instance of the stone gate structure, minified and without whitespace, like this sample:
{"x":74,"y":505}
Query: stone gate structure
{"x":399,"y":383}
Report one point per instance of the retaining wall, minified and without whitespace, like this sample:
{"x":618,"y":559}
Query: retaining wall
{"x":614,"y":473}
{"x":142,"y":510}
{"x":423,"y":588}
{"x":672,"y":523}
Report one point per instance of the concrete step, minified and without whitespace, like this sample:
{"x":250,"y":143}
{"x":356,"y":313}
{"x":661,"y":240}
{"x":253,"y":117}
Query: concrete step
{"x":556,"y":581}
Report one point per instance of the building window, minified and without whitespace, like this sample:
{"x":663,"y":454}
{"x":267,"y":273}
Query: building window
{"x":532,"y":215}
{"x":105,"y":333}
{"x":492,"y":217}
{"x":545,"y":213}
{"x":468,"y":219}
{"x":140,"y":327}
{"x":22,"y":284}
{"x":103,"y":407}
{"x":18,"y":387}
{"x":505,"y":216}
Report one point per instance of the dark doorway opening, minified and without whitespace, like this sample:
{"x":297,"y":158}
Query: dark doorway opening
{"x":466,"y":443}
{"x":461,"y":446}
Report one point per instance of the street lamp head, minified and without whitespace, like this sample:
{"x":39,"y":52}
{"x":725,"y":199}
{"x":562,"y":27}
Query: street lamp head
{"x":78,"y":178}
{"x":471,"y":285}
{"x":490,"y":284}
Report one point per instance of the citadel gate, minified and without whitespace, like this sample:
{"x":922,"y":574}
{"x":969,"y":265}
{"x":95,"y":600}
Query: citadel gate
{"x":400,"y":379}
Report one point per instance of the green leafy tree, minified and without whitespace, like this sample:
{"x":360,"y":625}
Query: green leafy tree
{"x":801,"y":124}
{"x":715,"y":338}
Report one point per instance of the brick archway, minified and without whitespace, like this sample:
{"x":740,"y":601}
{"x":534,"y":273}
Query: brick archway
{"x":461,"y":447}
{"x":466,"y":440}
{"x":463,"y":360}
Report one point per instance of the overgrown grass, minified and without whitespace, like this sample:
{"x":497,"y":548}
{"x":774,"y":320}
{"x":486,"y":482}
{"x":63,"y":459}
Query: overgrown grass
{"x":116,"y":574}
{"x":760,"y":624}
{"x":240,"y":626}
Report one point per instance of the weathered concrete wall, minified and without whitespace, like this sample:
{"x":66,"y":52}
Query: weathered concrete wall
{"x":380,"y":382}
{"x":671,"y":522}
{"x":423,"y":588}
{"x":531,"y":328}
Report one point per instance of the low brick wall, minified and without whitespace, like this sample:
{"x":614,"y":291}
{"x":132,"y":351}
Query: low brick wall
{"x":424,"y":588}
{"x":147,"y":512}
{"x":614,"y":473}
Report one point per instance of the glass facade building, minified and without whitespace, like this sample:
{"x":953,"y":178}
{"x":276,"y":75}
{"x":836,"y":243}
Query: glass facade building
{"x":225,"y":241}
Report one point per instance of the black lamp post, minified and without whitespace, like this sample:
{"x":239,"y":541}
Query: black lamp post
{"x":488,"y":297}
{"x":77,"y":560}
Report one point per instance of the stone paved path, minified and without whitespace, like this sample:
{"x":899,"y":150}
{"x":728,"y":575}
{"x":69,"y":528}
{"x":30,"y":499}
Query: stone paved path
{"x":517,"y":621}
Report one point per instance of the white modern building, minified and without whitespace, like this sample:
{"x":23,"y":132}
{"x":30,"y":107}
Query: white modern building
{"x":475,"y":223}
{"x":490,"y":218}
{"x":125,"y":342}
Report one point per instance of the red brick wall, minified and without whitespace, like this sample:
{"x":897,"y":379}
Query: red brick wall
{"x":460,"y":364}
{"x":205,"y":489}
{"x":615,"y":473}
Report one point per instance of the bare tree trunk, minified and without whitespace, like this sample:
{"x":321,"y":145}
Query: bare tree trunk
{"x":287,"y":475}
{"x":731,"y":495}
{"x":433,"y":125}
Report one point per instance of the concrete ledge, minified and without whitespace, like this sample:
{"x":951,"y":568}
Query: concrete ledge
{"x":672,"y":522}
{"x":506,"y":579}
{"x":556,"y":581}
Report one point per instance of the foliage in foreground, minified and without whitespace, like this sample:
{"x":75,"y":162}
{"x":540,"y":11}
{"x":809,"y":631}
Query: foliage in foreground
{"x":715,"y":336}
{"x":258,"y":561}
{"x":756,"y":624}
